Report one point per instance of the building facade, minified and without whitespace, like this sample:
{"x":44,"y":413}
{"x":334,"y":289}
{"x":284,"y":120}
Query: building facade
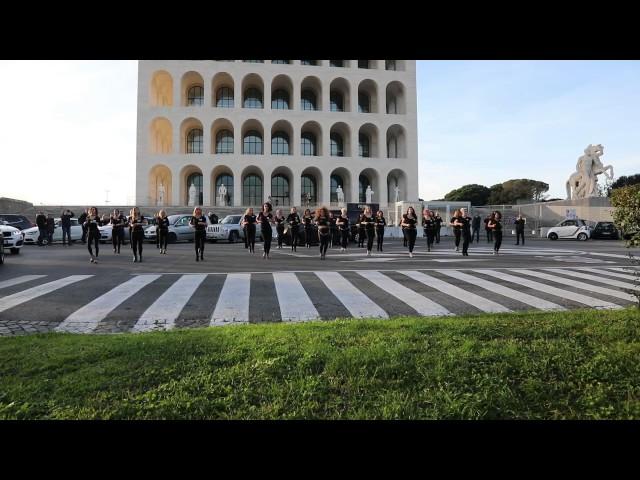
{"x":238,"y":132}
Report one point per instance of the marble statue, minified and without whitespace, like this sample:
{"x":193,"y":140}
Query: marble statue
{"x":222,"y":193}
{"x":583,"y":183}
{"x":161,"y":195}
{"x":340,"y":195}
{"x":369,"y":193}
{"x":397,"y":190}
{"x":192,"y":195}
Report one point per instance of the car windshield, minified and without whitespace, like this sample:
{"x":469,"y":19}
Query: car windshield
{"x":231,"y":219}
{"x":173,"y":218}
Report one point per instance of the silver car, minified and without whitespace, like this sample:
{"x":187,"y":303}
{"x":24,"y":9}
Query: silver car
{"x":230,"y":229}
{"x":179,"y":229}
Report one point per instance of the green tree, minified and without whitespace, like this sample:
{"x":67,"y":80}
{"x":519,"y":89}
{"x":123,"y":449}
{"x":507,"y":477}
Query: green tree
{"x":626,"y":215}
{"x":624,"y":181}
{"x":474,"y":193}
{"x":511,"y":191}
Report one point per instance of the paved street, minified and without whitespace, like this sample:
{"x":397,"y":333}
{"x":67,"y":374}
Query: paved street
{"x":57,"y":289}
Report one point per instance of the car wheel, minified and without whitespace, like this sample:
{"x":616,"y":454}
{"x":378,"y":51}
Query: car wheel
{"x":173,"y":238}
{"x":233,"y":237}
{"x":553,"y":236}
{"x":1,"y":257}
{"x":15,"y":251}
{"x":582,"y":236}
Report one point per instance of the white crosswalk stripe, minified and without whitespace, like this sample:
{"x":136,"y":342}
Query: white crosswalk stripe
{"x":461,"y":295}
{"x":19,"y":298}
{"x":87,"y":318}
{"x":358,"y":304}
{"x":419,"y":303}
{"x":594,"y":278}
{"x":295,"y":304}
{"x":626,"y":276}
{"x":525,"y":298}
{"x":558,"y":292}
{"x":233,"y":303}
{"x":19,"y":280}
{"x":163,"y":312}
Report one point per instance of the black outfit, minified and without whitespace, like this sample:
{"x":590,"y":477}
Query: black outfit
{"x":410,"y":231}
{"x":156,"y":220}
{"x":457,"y":231}
{"x":380,"y":223}
{"x":279,"y":229}
{"x":308,"y":230}
{"x":343,"y":227}
{"x":93,"y":233}
{"x":81,"y":220}
{"x":369,"y":227}
{"x":213,"y":218}
{"x":519,"y":231}
{"x":429,"y":226}
{"x":65,"y":223}
{"x":250,"y":231}
{"x":361,"y":229}
{"x":51,"y":227}
{"x":475,"y":225}
{"x":117,"y":231}
{"x":324,"y":225}
{"x":466,"y":234}
{"x":489,"y":231}
{"x":137,"y":236}
{"x":438,"y":221}
{"x":41,"y":222}
{"x":200,"y":234}
{"x":267,"y":232}
{"x":162,"y":232}
{"x":294,"y":221}
{"x":333,"y":232}
{"x":497,"y":235}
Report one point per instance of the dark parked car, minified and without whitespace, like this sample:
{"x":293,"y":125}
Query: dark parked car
{"x":1,"y":252}
{"x":605,"y":230}
{"x":18,"y":221}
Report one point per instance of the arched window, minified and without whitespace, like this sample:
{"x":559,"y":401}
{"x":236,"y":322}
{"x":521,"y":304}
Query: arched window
{"x":196,"y":180}
{"x":308,"y":100}
{"x":224,"y":97}
{"x":280,"y":62}
{"x":195,"y":95}
{"x":363,"y":182}
{"x":337,"y":145}
{"x":336,"y":180}
{"x":363,"y":145}
{"x":308,"y":187}
{"x":363,"y":63}
{"x":253,"y":61}
{"x":308,"y":146}
{"x":280,"y":144}
{"x":390,"y":64}
{"x":336,"y":102}
{"x":252,"y":144}
{"x":308,"y":62}
{"x":364,"y":103}
{"x":392,"y":148}
{"x":336,"y":63}
{"x":280,"y":190}
{"x":252,"y":190}
{"x":194,"y":141}
{"x":224,"y":141}
{"x":226,"y":180}
{"x":280,"y":100}
{"x":252,"y":98}
{"x":392,"y":105}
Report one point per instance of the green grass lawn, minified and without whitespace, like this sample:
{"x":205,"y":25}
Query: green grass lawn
{"x":569,"y":365}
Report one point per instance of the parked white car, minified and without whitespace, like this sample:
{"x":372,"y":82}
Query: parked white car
{"x":11,"y":238}
{"x":230,"y":229}
{"x":106,"y":233}
{"x":179,"y":229}
{"x":31,"y":234}
{"x":574,"y":229}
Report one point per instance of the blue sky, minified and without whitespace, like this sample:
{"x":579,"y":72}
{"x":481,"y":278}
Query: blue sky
{"x":68,"y":129}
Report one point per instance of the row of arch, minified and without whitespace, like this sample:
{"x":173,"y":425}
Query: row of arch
{"x":284,"y":141}
{"x":394,"y":65}
{"x":252,"y":88}
{"x":252,"y":186}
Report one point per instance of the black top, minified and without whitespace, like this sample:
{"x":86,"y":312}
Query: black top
{"x":362,"y":220}
{"x":265,"y":220}
{"x":411,"y":221}
{"x":307,"y":220}
{"x":476,"y":221}
{"x":293,"y":219}
{"x":163,"y":224}
{"x":466,"y":225}
{"x":428,"y":224}
{"x":380,"y":222}
{"x":81,"y":218}
{"x":41,"y":221}
{"x":137,"y":226}
{"x":438,"y":220}
{"x":117,"y":222}
{"x":519,"y":225}
{"x":368,"y":222}
{"x":197,"y":222}
{"x":456,"y":227}
{"x":250,"y":219}
{"x":495,"y":225}
{"x":486,"y":223}
{"x":65,"y":219}
{"x":51,"y":224}
{"x":342,"y":222}
{"x":92,"y":223}
{"x":279,"y":221}
{"x":323,"y":224}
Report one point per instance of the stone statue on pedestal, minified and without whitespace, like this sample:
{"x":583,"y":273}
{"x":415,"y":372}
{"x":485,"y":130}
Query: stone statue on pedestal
{"x":192,"y":195}
{"x":583,"y":183}
{"x":340,"y":195}
{"x":397,"y":190}
{"x":222,"y":193}
{"x":369,"y":193}
{"x":161,"y":195}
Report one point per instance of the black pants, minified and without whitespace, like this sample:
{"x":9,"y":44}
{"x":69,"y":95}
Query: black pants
{"x":251,"y":237}
{"x":280,"y":231}
{"x":475,"y":233}
{"x":42,"y":235}
{"x":308,"y":231}
{"x":380,"y":237}
{"x":267,"y":234}
{"x":361,"y":236}
{"x":437,"y":235}
{"x":246,"y":236}
{"x":95,"y":238}
{"x":519,"y":234}
{"x":457,"y":234}
{"x":157,"y":238}
{"x":137,"y":237}
{"x":404,"y":237}
{"x":163,"y":236}
{"x":489,"y":235}
{"x":84,"y":234}
{"x":294,"y":237}
{"x":324,"y":242}
{"x":50,"y":236}
{"x":117,"y":236}
{"x":370,"y":234}
{"x":431,"y":236}
{"x":411,"y":234}
{"x":466,"y":238}
{"x":344,"y":238}
{"x":66,"y":233}
{"x":498,"y":240}
{"x":199,"y":238}
{"x":335,"y":237}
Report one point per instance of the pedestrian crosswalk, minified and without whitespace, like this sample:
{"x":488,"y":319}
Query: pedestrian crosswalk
{"x":149,"y":302}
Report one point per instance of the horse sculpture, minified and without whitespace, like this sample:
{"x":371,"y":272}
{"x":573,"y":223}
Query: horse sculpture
{"x":583,"y":182}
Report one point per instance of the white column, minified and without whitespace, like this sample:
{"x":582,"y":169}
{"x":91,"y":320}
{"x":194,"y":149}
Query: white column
{"x":355,"y":190}
{"x":175,"y":188}
{"x":206,"y":188}
{"x":295,"y":188}
{"x":237,"y":188}
{"x":382,"y":194}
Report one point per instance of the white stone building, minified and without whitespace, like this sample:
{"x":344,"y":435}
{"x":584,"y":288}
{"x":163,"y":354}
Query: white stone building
{"x":276,"y":128}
